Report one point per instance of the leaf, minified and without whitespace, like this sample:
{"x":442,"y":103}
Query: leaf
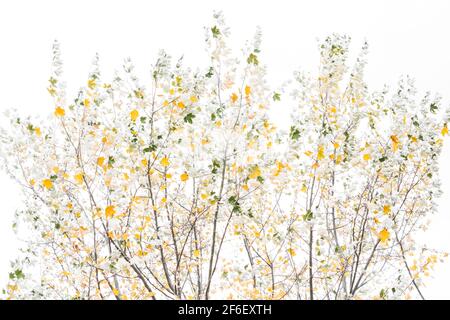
{"x":18,"y":274}
{"x":150,"y":148}
{"x":294,"y":134}
{"x":433,"y":107}
{"x":215,"y":166}
{"x":276,"y":96}
{"x":235,"y":204}
{"x":384,"y":235}
{"x":308,"y":216}
{"x":188,"y":118}
{"x":138,"y":93}
{"x":215,"y":31}
{"x":253,"y":59}
{"x":210,"y":72}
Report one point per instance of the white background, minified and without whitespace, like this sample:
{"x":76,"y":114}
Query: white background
{"x":405,"y":37}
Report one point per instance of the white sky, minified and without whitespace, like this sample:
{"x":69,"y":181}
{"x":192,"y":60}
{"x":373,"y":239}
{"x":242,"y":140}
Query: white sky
{"x":405,"y":37}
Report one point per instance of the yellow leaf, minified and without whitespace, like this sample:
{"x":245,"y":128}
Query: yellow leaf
{"x":395,"y":143}
{"x":86,"y":102}
{"x":91,"y":83}
{"x":181,"y":105}
{"x":37,"y":131}
{"x":197,"y":253}
{"x":47,"y":183}
{"x":165,"y":162}
{"x":387,"y":209}
{"x":255,"y":173}
{"x":134,"y":115}
{"x":79,"y":178}
{"x":234,"y":97}
{"x":291,"y":252}
{"x":367,"y":157}
{"x":141,"y":253}
{"x":444,"y":130}
{"x":383,"y":235}
{"x":100,"y":161}
{"x":320,"y":153}
{"x":193,"y":99}
{"x":184,"y":177}
{"x":59,"y":112}
{"x":110,"y":211}
{"x":248,"y":90}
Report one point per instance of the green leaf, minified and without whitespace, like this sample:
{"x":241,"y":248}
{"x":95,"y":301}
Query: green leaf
{"x":294,"y":134}
{"x":17,"y":274}
{"x":138,"y":94}
{"x":189,"y":117}
{"x":253,"y":59}
{"x":276,"y":96}
{"x":308,"y":215}
{"x":215,"y":166}
{"x":433,"y":107}
{"x":210,"y":72}
{"x":150,"y":148}
{"x":215,"y":31}
{"x":235,"y":204}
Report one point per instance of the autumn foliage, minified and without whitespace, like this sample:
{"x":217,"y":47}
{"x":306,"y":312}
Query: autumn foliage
{"x":186,"y":189}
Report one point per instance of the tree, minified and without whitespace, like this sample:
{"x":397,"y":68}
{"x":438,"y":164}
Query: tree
{"x":187,"y":190}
